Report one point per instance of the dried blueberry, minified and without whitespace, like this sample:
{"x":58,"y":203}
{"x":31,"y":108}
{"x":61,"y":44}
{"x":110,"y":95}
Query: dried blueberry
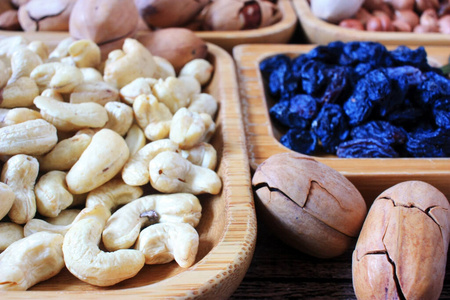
{"x":282,"y":83}
{"x":441,"y":112}
{"x":297,"y":112}
{"x":272,"y":63}
{"x":300,"y":140}
{"x":365,"y":148}
{"x":358,"y":108}
{"x":313,"y":77}
{"x":337,"y":85}
{"x":380,"y":130}
{"x":406,"y":56}
{"x":429,"y":143}
{"x":433,"y":86}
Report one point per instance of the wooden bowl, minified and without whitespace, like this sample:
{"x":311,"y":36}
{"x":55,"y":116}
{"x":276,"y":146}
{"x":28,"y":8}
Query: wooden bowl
{"x":317,"y":31}
{"x":370,"y":175}
{"x":278,"y":33}
{"x":227,"y":228}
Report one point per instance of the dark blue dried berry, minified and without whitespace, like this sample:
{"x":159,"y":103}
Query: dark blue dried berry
{"x":429,"y":143}
{"x":300,"y":140}
{"x":380,"y":130}
{"x":365,"y":148}
{"x":297,"y":112}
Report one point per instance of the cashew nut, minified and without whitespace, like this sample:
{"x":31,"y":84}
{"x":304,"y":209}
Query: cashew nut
{"x":68,"y":116}
{"x":135,"y":139}
{"x":40,"y":48}
{"x":101,"y":161}
{"x":94,"y":91}
{"x":85,"y":53}
{"x":21,"y":92}
{"x":7,"y":198}
{"x":59,"y":76}
{"x":152,"y":116}
{"x":9,"y":233}
{"x":38,"y":225}
{"x":112,"y":194}
{"x":202,"y":154}
{"x":62,"y":49}
{"x":135,"y":88}
{"x":133,"y":61}
{"x":171,"y":173}
{"x":20,"y":115}
{"x":84,"y":258}
{"x":5,"y":73}
{"x":203,"y":103}
{"x":91,"y":74}
{"x":120,"y":117}
{"x":9,"y":45}
{"x":135,"y":170}
{"x":65,"y":153}
{"x":164,"y":68}
{"x":20,"y":173}
{"x":30,"y":260}
{"x":189,"y":128}
{"x":163,"y":242}
{"x":52,"y":195}
{"x":123,"y":227}
{"x":175,"y":92}
{"x":23,"y":61}
{"x":51,"y":93}
{"x":65,"y":217}
{"x":199,"y":68}
{"x":33,"y":137}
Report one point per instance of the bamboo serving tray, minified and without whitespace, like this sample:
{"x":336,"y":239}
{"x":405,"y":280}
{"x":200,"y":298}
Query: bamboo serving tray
{"x":227,"y":228}
{"x":370,"y":175}
{"x":278,"y":33}
{"x":317,"y":31}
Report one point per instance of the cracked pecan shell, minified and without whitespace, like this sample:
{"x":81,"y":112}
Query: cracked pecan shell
{"x":401,"y":252}
{"x":309,"y":205}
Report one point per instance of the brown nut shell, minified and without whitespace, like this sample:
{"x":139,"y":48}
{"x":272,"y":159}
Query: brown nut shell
{"x":42,"y":15}
{"x":401,"y":252}
{"x":309,"y":205}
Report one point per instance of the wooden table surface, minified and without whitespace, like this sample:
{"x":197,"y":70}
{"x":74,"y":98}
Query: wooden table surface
{"x":278,"y":271}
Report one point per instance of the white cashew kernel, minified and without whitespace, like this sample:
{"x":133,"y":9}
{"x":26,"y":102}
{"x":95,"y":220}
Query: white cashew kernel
{"x":7,"y":198}
{"x":40,"y":48}
{"x":163,"y":242}
{"x":30,"y":260}
{"x":120,"y":117}
{"x":38,"y":225}
{"x":9,"y":45}
{"x":5,"y":73}
{"x":20,"y":173}
{"x":21,"y":92}
{"x":91,"y":74}
{"x":164,"y":68}
{"x":85,"y":53}
{"x":101,"y":161}
{"x":152,"y":116}
{"x":62,"y":49}
{"x":135,"y":139}
{"x":174,"y":92}
{"x":51,"y":93}
{"x":124,"y":66}
{"x":84,"y":258}
{"x":52,"y":195}
{"x":65,"y":153}
{"x":65,"y":217}
{"x":137,"y":87}
{"x":23,"y":61}
{"x":204,"y":103}
{"x":203,"y":154}
{"x":171,"y":173}
{"x":135,"y":170}
{"x":94,"y":91}
{"x":123,"y":227}
{"x":59,"y":76}
{"x":9,"y":233}
{"x":20,"y":115}
{"x":68,"y":116}
{"x":199,"y":68}
{"x":33,"y":137}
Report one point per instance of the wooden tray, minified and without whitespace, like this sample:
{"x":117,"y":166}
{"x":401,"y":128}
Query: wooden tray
{"x":278,"y":33}
{"x":371,"y":176}
{"x":317,"y":31}
{"x":227,"y":228}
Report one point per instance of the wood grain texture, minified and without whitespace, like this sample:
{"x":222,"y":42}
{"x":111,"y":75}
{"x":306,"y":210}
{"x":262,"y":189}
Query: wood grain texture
{"x":227,"y":228}
{"x":370,"y":175}
{"x":317,"y":31}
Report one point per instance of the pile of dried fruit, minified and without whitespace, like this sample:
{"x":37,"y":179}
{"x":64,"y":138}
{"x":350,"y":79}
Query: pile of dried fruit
{"x":358,"y":99}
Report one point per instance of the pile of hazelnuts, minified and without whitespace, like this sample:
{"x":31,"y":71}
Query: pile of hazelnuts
{"x":418,"y":16}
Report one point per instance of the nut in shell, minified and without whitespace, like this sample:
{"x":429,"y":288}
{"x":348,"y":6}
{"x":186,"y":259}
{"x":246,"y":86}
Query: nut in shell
{"x":308,"y":205}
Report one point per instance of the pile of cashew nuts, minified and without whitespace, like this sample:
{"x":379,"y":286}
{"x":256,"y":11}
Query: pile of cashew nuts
{"x":80,"y":142}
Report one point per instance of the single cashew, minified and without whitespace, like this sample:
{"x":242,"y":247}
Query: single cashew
{"x":5,"y":73}
{"x":39,"y":225}
{"x":203,"y":155}
{"x":171,"y":173}
{"x":52,"y":195}
{"x":101,"y":161}
{"x":189,"y":128}
{"x":40,"y":48}
{"x":85,"y":53}
{"x":62,"y":49}
{"x":51,"y":93}
{"x":135,"y":171}
{"x":7,"y":198}
{"x":123,"y":227}
{"x":20,"y":173}
{"x":23,"y":61}
{"x":59,"y":76}
{"x":9,"y":45}
{"x":94,"y":91}
{"x":120,"y":117}
{"x":84,"y":258}
{"x":68,"y":116}
{"x":164,"y":68}
{"x":204,"y":103}
{"x":163,"y":242}
{"x":33,"y":137}
{"x":65,"y":153}
{"x":91,"y":74}
{"x":174,"y":92}
{"x":9,"y":233}
{"x":20,"y":115}
{"x":135,"y":139}
{"x":113,"y":194}
{"x":199,"y":68}
{"x":133,"y":61}
{"x":20,"y":92}
{"x":65,"y":217}
{"x":152,"y":116}
{"x":137,"y":87}
{"x":30,"y":260}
